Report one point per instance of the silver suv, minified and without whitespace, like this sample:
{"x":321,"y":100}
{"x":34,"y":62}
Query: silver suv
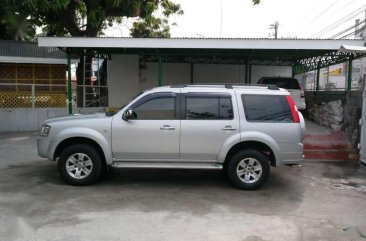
{"x":242,"y":130}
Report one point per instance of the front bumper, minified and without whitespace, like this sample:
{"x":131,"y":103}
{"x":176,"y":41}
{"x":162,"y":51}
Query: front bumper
{"x":42,"y":146}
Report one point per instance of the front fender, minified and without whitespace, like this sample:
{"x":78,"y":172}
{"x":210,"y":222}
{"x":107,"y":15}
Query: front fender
{"x":85,"y":133}
{"x":250,"y":136}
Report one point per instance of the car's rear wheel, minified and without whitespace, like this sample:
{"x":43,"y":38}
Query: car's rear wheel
{"x":248,"y":169}
{"x":80,"y":164}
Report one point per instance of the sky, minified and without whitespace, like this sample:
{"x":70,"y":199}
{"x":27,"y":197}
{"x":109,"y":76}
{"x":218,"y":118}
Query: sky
{"x":241,"y":19}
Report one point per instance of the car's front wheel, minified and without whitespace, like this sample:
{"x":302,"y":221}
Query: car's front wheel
{"x":248,"y":169}
{"x":80,"y":164}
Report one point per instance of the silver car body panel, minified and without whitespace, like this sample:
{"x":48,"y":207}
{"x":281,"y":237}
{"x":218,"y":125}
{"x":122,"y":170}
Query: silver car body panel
{"x":203,"y":139}
{"x":96,"y":127}
{"x":143,"y":139}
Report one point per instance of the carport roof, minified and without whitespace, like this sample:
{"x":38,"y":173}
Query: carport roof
{"x":198,"y":43}
{"x":305,"y":53}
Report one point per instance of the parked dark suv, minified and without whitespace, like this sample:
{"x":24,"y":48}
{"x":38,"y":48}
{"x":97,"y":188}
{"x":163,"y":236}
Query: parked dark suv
{"x":291,"y":84}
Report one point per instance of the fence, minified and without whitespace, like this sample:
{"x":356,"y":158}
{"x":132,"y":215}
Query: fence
{"x":50,"y":96}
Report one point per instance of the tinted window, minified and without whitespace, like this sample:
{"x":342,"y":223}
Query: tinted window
{"x":159,"y":108}
{"x":209,"y":108}
{"x":266,"y":108}
{"x":285,"y":83}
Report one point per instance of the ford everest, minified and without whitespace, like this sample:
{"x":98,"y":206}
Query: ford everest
{"x":242,"y":130}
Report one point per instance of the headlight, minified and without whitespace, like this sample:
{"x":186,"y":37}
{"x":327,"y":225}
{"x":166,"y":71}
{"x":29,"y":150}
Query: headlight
{"x":45,"y":130}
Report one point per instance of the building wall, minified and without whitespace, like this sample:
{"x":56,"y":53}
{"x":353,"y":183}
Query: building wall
{"x":127,"y":77}
{"x":172,"y":74}
{"x":259,"y":71}
{"x":218,"y":73}
{"x":26,"y":119}
{"x":123,"y":79}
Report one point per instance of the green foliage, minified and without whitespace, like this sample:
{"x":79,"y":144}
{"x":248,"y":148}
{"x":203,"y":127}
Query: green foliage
{"x":154,"y":27}
{"x":15,"y":23}
{"x":19,"y":18}
{"x":151,"y":28}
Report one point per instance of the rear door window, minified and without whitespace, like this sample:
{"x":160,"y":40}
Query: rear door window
{"x":266,"y":108}
{"x":285,"y":83}
{"x":208,"y":108}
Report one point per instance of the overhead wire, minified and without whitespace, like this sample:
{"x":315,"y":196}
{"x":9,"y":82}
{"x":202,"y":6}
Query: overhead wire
{"x":346,"y":30}
{"x":340,"y":21}
{"x":321,"y":14}
{"x":341,"y":9}
{"x":307,"y":13}
{"x":354,"y":33}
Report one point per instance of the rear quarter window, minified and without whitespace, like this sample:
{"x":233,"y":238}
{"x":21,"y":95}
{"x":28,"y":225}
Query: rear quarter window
{"x":266,"y":108}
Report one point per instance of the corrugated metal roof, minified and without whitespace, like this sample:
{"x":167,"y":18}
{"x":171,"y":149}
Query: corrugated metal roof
{"x":197,"y":43}
{"x":29,"y":49}
{"x":222,"y":38}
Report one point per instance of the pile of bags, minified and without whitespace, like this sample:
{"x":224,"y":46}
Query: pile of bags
{"x":328,"y":114}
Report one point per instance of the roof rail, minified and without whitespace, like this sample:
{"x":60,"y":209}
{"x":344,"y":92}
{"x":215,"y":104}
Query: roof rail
{"x":179,"y":86}
{"x":227,"y":86}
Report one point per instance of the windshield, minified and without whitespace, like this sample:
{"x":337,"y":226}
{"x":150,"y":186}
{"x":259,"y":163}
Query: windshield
{"x":123,"y":106}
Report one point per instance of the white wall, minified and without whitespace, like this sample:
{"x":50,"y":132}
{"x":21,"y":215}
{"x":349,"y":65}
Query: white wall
{"x":28,"y":119}
{"x":20,"y":119}
{"x":180,"y":73}
{"x":123,"y":79}
{"x":126,"y":79}
{"x":173,"y":73}
{"x":218,"y":73}
{"x":259,"y":71}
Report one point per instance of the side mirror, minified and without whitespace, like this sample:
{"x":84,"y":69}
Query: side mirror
{"x":128,"y":114}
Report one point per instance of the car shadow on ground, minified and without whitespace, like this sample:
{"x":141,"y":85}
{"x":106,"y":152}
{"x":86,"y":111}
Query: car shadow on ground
{"x":196,"y":191}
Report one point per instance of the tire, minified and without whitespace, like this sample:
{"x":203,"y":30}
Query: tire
{"x":248,"y":169}
{"x":80,"y":165}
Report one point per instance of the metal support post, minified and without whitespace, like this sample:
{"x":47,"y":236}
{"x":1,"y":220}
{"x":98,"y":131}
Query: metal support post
{"x":192,"y":73}
{"x":246,"y":73}
{"x":317,"y":77}
{"x":349,"y":79}
{"x":250,"y":74}
{"x":160,"y":74}
{"x":69,"y":89}
{"x":33,"y":96}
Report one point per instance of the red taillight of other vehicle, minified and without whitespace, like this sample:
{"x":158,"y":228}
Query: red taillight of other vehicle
{"x":291,"y":104}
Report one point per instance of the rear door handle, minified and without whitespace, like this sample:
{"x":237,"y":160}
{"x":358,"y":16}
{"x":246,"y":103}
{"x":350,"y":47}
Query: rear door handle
{"x":228,"y":128}
{"x":167,"y":128}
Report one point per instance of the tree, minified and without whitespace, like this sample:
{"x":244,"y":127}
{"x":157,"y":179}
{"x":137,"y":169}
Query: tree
{"x":15,"y":23}
{"x":86,"y":18}
{"x":90,"y":17}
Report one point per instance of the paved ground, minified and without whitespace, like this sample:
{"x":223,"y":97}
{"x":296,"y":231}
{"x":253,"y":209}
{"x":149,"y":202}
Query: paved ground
{"x":321,"y":201}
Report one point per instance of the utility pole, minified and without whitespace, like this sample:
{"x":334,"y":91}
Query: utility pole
{"x":221,"y":5}
{"x":275,"y":27}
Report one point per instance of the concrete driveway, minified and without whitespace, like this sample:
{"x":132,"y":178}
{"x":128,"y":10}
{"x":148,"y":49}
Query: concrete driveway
{"x":320,"y":201}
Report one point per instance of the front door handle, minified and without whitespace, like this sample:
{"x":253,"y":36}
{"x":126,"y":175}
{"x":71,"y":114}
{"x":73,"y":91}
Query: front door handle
{"x":167,"y":128}
{"x":228,"y":128}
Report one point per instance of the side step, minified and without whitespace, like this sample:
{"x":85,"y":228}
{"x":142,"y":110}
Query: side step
{"x":168,"y":165}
